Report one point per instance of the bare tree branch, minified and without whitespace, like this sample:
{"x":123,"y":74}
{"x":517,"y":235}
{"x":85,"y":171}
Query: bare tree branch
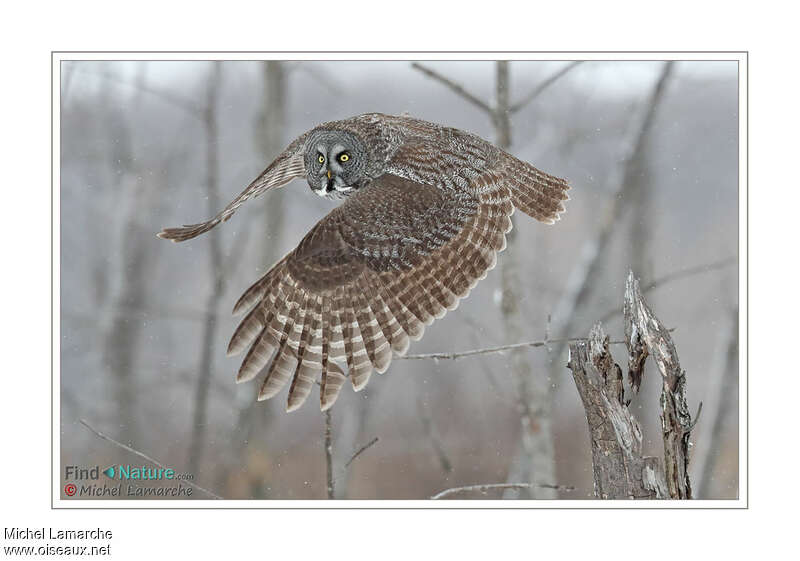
{"x":329,"y":455}
{"x":490,"y":486}
{"x":501,"y":115}
{"x":683,"y":273}
{"x":202,"y":315}
{"x":722,"y":390}
{"x":360,"y":451}
{"x":430,"y":432}
{"x":533,"y":393}
{"x":185,"y":104}
{"x":362,"y":412}
{"x":143,"y":456}
{"x":676,"y":275}
{"x":499,"y":349}
{"x":580,"y":281}
{"x":537,"y":91}
{"x":318,"y":74}
{"x":456,"y":88}
{"x":355,"y":455}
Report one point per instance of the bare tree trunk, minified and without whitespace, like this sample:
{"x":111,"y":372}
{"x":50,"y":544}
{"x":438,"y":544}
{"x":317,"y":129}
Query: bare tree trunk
{"x":620,"y":471}
{"x":205,"y":367}
{"x":587,"y":268}
{"x":501,"y":116}
{"x":618,"y":467}
{"x":269,"y":138}
{"x":722,"y":389}
{"x":535,"y":461}
{"x":130,"y":275}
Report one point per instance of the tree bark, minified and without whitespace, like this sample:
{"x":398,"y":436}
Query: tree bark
{"x":647,"y":336}
{"x":618,"y":467}
{"x":535,"y":460}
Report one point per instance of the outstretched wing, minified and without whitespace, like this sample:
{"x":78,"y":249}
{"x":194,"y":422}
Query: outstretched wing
{"x":364,"y":281}
{"x":287,"y":166}
{"x":434,"y":155}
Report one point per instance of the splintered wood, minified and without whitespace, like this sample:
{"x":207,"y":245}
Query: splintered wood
{"x":620,"y":470}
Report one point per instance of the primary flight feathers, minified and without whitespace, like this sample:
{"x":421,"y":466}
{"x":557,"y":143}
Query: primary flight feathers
{"x":426,"y":210}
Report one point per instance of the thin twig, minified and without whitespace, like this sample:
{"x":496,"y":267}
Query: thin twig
{"x":690,"y":428}
{"x":361,"y":451}
{"x":579,"y":284}
{"x":329,"y":454}
{"x":537,"y":91}
{"x":676,"y":275}
{"x":143,"y":456}
{"x":490,"y":486}
{"x":456,"y":88}
{"x":500,"y":349}
{"x":427,"y":425}
{"x":690,"y":271}
{"x":186,"y":104}
{"x":318,"y":74}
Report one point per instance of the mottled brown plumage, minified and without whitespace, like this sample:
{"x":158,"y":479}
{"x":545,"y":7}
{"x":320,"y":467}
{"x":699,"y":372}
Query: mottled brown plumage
{"x":426,"y":211}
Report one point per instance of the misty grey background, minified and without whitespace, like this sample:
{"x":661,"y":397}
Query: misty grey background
{"x":134,"y":157}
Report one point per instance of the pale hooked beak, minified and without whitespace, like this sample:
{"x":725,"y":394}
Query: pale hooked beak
{"x":329,"y":174}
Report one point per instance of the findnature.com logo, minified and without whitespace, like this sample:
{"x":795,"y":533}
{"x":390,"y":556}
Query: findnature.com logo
{"x":125,"y":472}
{"x":119,"y":473}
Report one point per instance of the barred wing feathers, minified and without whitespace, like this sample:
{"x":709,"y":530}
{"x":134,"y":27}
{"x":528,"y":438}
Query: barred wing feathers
{"x":287,"y":166}
{"x":438,"y":155}
{"x":366,"y":280}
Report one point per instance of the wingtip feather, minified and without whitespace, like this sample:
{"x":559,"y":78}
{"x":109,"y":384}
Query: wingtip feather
{"x":293,"y":406}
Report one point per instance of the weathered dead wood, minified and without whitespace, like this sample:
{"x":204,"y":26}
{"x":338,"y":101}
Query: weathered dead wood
{"x":646,"y":335}
{"x":619,"y":469}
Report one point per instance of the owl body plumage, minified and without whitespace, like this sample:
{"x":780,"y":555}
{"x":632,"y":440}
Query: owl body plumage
{"x":426,"y":210}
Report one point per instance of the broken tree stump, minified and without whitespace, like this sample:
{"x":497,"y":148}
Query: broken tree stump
{"x":620,"y":471}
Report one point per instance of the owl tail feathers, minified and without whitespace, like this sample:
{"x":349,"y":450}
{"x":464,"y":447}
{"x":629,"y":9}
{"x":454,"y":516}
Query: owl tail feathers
{"x":189,"y":231}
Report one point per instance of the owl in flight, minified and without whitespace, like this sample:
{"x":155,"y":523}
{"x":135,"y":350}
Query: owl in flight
{"x":426,"y":210}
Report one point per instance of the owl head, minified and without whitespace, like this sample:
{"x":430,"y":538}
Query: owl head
{"x":335,"y":163}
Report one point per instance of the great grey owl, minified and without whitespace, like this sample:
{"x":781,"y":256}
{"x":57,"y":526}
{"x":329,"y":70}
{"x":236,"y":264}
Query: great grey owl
{"x":426,"y":211}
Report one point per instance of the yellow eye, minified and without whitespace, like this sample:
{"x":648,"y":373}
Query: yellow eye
{"x":321,"y":159}
{"x":344,"y":158}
